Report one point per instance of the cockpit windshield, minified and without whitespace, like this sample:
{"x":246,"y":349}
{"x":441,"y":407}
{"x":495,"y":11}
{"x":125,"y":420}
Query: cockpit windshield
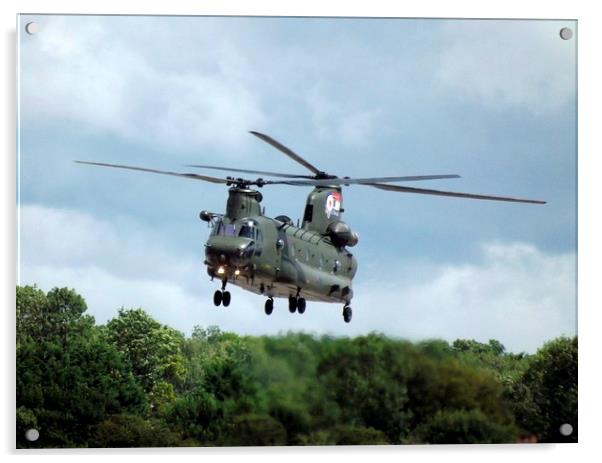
{"x":225,"y":229}
{"x":247,"y":229}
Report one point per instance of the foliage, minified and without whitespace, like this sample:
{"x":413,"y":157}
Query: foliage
{"x":254,"y":430}
{"x":347,"y":435}
{"x":545,"y":398}
{"x":152,"y":350}
{"x":368,"y":378}
{"x":464,"y":427}
{"x":68,"y":376}
{"x":137,"y":383}
{"x":133,"y":431}
{"x":491,"y":356}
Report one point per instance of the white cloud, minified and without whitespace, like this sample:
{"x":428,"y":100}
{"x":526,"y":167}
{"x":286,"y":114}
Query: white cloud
{"x":349,"y":122}
{"x":67,"y":238}
{"x":83,"y":70}
{"x":509,"y":64}
{"x":516,"y":293}
{"x":189,"y":88}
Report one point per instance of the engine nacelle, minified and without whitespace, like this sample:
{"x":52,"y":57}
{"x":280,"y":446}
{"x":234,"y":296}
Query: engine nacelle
{"x":341,"y":235}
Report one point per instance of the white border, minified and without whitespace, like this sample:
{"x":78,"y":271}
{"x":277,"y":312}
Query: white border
{"x":590,"y":232}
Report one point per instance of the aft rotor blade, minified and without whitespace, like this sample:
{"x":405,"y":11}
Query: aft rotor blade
{"x":246,"y":171}
{"x":290,"y":153}
{"x":155,"y":171}
{"x":360,"y":181}
{"x":425,"y":191}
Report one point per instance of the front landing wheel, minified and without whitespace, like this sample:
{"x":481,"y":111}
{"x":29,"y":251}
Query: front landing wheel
{"x":226,"y":298}
{"x":292,"y":304}
{"x":347,"y":314}
{"x":301,"y":304}
{"x":269,"y":306}
{"x":217,"y":298}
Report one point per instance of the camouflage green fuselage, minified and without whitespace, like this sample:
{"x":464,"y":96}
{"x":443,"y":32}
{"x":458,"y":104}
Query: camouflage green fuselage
{"x":275,"y":258}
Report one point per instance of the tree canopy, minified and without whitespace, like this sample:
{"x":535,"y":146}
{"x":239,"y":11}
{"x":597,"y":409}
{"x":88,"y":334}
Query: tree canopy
{"x":135,"y":382}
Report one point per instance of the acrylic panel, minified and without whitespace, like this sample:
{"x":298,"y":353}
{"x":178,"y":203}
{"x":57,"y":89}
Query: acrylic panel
{"x":257,"y":231}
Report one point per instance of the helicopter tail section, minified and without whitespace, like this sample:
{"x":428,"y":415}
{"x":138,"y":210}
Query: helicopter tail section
{"x":324,"y":207}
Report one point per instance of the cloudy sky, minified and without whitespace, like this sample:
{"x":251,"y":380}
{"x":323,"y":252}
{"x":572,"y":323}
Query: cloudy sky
{"x":492,"y":101}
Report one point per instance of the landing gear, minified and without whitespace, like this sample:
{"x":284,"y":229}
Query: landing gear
{"x":222,"y":296}
{"x":296,"y":304}
{"x":347,"y":313}
{"x":226,"y":298}
{"x":217,"y":298}
{"x":301,"y":305}
{"x":269,"y":306}
{"x":292,"y":304}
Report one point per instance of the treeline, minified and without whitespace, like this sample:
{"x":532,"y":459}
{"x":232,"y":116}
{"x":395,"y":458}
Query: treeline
{"x":137,"y":383}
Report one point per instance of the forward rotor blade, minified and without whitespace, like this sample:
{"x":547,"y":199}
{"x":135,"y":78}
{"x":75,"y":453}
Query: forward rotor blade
{"x":425,"y":191}
{"x":291,"y":154}
{"x":359,"y":181}
{"x":246,"y":171}
{"x":155,"y":171}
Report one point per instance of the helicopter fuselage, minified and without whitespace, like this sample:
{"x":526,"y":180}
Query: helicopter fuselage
{"x":273,"y":257}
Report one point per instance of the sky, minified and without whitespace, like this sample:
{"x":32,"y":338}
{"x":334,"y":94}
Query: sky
{"x":492,"y":101}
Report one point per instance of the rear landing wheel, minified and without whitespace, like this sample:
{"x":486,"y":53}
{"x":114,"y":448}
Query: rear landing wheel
{"x":301,"y":304}
{"x":269,"y":306}
{"x":347,"y":313}
{"x":292,"y":304}
{"x":217,"y":298}
{"x":226,"y":298}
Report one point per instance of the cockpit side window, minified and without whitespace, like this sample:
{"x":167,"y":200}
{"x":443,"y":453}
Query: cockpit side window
{"x":217,"y":228}
{"x":309,"y":213}
{"x":247,"y":231}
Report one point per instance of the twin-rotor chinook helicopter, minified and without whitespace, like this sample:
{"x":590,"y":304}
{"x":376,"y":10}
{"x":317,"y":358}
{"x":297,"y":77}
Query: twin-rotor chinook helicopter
{"x":275,"y":257}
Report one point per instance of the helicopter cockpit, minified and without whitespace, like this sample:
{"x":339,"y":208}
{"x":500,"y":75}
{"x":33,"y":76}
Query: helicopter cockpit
{"x":234,"y":243}
{"x":245,"y":228}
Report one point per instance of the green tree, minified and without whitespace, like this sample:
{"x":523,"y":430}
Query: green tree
{"x":367,"y":379}
{"x":57,"y":315}
{"x":254,"y":429}
{"x":119,"y":431}
{"x":491,"y":356}
{"x":85,"y":385}
{"x":437,"y":384}
{"x":218,"y":387}
{"x":545,"y":398}
{"x":284,"y":367}
{"x":464,"y":427}
{"x":31,"y":308}
{"x":197,"y":415}
{"x":346,"y":435}
{"x":68,"y":377}
{"x":220,"y":362}
{"x":152,"y":350}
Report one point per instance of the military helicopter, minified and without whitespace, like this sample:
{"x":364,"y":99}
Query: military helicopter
{"x":274,"y":257}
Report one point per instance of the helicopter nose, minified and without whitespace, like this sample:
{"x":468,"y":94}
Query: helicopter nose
{"x":230,"y":252}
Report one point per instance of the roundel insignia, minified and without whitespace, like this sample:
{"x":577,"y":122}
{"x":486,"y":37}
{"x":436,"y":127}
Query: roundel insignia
{"x":333,"y":204}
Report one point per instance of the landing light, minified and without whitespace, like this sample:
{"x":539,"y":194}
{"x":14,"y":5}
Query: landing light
{"x":221,"y":271}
